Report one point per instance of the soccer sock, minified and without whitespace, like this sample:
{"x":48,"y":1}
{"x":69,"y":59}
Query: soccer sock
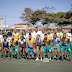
{"x":53,"y":56}
{"x":69,"y":57}
{"x":20,"y":54}
{"x":62,"y":56}
{"x":67,"y":53}
{"x":48,"y":54}
{"x":29,"y":56}
{"x":8,"y":54}
{"x":12,"y":55}
{"x":0,"y":54}
{"x":71,"y":53}
{"x":37,"y":54}
{"x":17,"y":55}
{"x":3,"y":54}
{"x":57,"y":56}
{"x":54,"y":53}
{"x":43,"y":55}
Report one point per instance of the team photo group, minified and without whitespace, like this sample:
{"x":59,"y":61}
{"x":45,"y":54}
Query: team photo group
{"x":38,"y":45}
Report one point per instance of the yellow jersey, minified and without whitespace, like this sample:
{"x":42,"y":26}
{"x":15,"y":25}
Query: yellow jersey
{"x":14,"y":42}
{"x":46,"y":41}
{"x":65,"y":41}
{"x":30,"y":42}
{"x":16,"y":35}
{"x":61,"y":35}
{"x":50,"y":36}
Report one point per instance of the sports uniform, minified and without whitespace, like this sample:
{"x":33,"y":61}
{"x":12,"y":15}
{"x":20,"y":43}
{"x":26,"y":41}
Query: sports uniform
{"x":65,"y":44}
{"x":50,"y":36}
{"x":47,"y":46}
{"x":14,"y":45}
{"x":55,"y":44}
{"x":30,"y":45}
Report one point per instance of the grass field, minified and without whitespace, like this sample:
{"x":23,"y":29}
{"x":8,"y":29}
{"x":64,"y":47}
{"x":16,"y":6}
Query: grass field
{"x":7,"y":65}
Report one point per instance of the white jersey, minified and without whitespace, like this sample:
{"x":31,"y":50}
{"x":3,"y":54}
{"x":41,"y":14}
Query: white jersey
{"x":42,"y":36}
{"x":1,"y":38}
{"x":35,"y":33}
{"x":8,"y":39}
{"x":22,"y":42}
{"x":70,"y":36}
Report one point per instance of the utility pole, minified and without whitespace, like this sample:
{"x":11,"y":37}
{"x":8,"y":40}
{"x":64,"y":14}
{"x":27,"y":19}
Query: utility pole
{"x":5,"y":24}
{"x":1,"y":22}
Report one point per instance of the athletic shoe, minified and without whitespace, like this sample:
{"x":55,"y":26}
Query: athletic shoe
{"x":50,"y":59}
{"x":37,"y":59}
{"x":69,"y":60}
{"x":61,"y":59}
{"x":20,"y":57}
{"x":41,"y":58}
{"x":58,"y":60}
{"x":3,"y":57}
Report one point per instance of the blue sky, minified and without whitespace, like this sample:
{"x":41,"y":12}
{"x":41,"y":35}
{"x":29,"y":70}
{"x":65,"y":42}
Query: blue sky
{"x":13,"y":8}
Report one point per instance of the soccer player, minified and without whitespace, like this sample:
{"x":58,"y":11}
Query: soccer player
{"x":61,"y":33}
{"x":23,"y":34}
{"x":1,"y":48}
{"x":30,"y":45}
{"x":30,"y":31}
{"x":49,"y":35}
{"x":5,"y":46}
{"x":38,"y":42}
{"x":9,"y":34}
{"x":56,"y":31}
{"x":65,"y":45}
{"x":14,"y":46}
{"x":56,"y":45}
{"x":47,"y":46}
{"x":16,"y":35}
{"x":22,"y":45}
{"x":70,"y":36}
{"x":36,"y":32}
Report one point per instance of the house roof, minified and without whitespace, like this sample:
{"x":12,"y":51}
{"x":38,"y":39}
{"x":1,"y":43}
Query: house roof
{"x":22,"y":24}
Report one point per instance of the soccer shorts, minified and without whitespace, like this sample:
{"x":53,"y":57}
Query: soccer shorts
{"x":29,"y":50}
{"x":14,"y":48}
{"x":47,"y":48}
{"x":63,"y":48}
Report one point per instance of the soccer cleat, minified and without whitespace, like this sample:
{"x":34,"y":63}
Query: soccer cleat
{"x":69,"y":60}
{"x":20,"y":57}
{"x":58,"y":60}
{"x":41,"y":58}
{"x":3,"y":57}
{"x":50,"y":59}
{"x":61,"y":59}
{"x":37,"y":59}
